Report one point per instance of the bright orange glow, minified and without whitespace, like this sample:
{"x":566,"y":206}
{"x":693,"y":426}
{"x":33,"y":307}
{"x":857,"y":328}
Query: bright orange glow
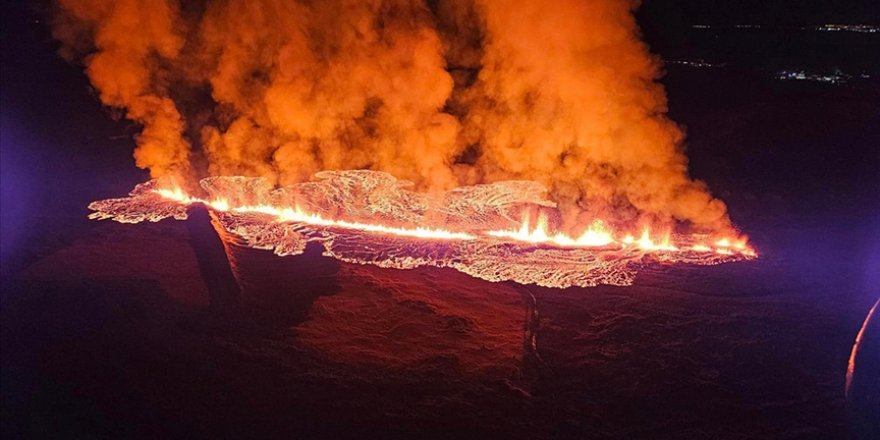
{"x":598,"y":234}
{"x":645,"y":242}
{"x":220,"y":204}
{"x":365,"y":217}
{"x":297,"y":215}
{"x":178,"y":195}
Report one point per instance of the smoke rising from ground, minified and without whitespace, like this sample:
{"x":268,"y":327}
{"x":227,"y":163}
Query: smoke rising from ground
{"x":441,"y":93}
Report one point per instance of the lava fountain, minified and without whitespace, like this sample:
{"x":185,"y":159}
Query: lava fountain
{"x":497,"y":232}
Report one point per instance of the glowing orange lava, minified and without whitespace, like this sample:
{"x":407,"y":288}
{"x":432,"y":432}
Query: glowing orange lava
{"x":297,"y":215}
{"x":597,"y":235}
{"x":370,"y":217}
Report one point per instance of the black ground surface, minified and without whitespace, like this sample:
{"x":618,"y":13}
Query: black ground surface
{"x":108,"y":332}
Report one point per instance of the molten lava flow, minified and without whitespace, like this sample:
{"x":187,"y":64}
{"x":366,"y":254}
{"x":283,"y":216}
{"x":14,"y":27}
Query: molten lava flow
{"x":297,"y":215}
{"x":369,"y":217}
{"x":594,"y":236}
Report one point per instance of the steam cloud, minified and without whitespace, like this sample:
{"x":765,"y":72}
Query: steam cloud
{"x":438,"y":92}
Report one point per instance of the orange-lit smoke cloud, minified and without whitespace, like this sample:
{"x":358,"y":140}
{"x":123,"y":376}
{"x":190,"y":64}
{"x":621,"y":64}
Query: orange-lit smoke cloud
{"x":440,"y":93}
{"x":129,"y":41}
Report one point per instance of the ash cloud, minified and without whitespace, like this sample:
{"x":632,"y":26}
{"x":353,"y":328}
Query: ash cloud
{"x":441,"y":93}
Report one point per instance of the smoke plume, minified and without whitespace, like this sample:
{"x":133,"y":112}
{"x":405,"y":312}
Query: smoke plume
{"x":438,"y":92}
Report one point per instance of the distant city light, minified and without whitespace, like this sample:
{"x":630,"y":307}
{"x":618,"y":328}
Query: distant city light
{"x":848,"y":27}
{"x":863,"y":28}
{"x":695,"y":63}
{"x":834,"y":78}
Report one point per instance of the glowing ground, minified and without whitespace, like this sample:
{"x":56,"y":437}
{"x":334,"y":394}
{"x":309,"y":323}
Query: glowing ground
{"x":471,"y":229}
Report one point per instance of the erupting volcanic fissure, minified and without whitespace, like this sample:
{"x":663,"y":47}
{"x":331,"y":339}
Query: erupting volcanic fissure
{"x":534,"y":136}
{"x":370,"y":217}
{"x":443,"y":94}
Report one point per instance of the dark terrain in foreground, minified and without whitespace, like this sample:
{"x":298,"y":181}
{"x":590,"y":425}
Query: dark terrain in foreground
{"x":111,"y":332}
{"x":108,"y":330}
